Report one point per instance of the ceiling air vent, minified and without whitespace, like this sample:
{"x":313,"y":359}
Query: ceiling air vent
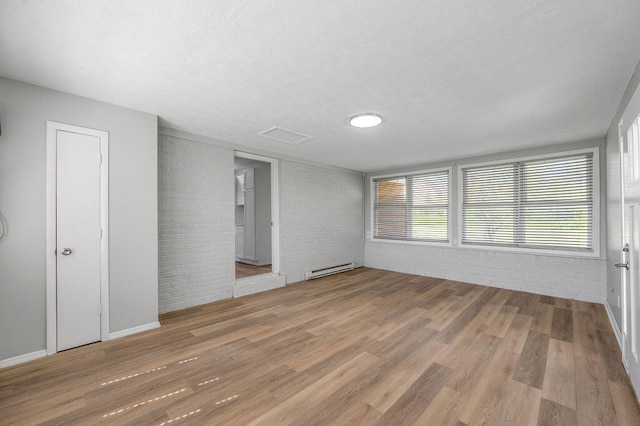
{"x":286,"y":136}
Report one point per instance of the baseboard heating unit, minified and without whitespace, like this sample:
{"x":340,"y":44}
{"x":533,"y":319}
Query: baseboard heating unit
{"x":317,"y":273}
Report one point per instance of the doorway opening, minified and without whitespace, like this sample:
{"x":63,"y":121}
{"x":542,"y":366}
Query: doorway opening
{"x":256,"y":215}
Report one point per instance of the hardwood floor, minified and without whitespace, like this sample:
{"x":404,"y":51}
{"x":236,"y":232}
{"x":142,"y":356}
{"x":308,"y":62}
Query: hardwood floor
{"x":244,"y":270}
{"x":363,"y":347}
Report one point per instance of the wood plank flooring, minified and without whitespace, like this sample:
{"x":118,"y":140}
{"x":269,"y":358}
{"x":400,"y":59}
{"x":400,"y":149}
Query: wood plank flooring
{"x":244,"y":270}
{"x":366,"y":347}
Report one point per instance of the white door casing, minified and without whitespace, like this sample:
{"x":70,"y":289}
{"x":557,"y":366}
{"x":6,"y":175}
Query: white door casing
{"x":77,"y":220}
{"x":275,"y":213}
{"x":258,"y":283}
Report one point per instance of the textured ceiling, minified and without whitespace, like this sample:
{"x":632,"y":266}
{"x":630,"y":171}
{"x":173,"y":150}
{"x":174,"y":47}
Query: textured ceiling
{"x":452,"y":78}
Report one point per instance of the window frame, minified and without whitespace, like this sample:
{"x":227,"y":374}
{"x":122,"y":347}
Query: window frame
{"x":595,"y":229}
{"x":450,"y":221}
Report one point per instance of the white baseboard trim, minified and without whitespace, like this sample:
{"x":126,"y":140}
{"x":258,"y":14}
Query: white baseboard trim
{"x":618,"y":333}
{"x":614,"y":323}
{"x":134,"y":330}
{"x":22,"y":358}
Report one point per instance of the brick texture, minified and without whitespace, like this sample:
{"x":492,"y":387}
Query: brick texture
{"x":321,"y":219}
{"x":567,"y":277}
{"x":196,"y":223}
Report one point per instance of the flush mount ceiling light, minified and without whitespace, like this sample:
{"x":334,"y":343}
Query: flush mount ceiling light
{"x":365,"y":119}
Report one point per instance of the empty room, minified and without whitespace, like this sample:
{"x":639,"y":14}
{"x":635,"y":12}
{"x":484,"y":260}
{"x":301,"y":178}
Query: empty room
{"x":327,"y":213}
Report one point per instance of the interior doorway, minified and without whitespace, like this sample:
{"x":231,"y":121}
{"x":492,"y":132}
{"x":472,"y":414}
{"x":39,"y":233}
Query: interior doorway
{"x":256,"y":236}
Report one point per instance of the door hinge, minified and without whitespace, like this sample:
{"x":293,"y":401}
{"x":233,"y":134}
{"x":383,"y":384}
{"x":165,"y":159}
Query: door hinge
{"x":100,"y":233}
{"x":100,"y":309}
{"x":100,"y":158}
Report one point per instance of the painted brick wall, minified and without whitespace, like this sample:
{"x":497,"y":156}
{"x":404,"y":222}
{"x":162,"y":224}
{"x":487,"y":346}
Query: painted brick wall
{"x":196,"y":223}
{"x":321,"y":219}
{"x":562,"y":276}
{"x":571,"y":278}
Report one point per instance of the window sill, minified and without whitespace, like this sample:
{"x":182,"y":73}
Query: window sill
{"x":412,"y":243}
{"x":532,"y":251}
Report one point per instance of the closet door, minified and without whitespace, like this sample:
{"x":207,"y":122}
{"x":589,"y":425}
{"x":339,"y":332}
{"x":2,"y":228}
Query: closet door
{"x":79,"y":236}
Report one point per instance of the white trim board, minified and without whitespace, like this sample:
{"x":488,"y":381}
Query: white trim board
{"x":134,"y":330}
{"x":51,"y":300}
{"x":614,"y":323}
{"x":22,"y":358}
{"x":9,"y":362}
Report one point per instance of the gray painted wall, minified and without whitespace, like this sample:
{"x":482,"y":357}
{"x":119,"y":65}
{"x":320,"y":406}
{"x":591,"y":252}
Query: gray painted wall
{"x":24,"y":110}
{"x":321,"y":221}
{"x":614,"y":234}
{"x":562,"y":276}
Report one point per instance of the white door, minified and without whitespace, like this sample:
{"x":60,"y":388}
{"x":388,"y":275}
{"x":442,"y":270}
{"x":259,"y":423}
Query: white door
{"x":630,"y":262}
{"x":78,"y":240}
{"x":76,"y":266}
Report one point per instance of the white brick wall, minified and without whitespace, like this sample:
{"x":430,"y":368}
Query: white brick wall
{"x":571,"y":278}
{"x":196,"y":223}
{"x":321,"y":219}
{"x":568,"y":277}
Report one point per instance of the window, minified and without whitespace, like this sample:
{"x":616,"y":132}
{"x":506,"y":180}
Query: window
{"x":541,"y":203}
{"x":413,"y":207}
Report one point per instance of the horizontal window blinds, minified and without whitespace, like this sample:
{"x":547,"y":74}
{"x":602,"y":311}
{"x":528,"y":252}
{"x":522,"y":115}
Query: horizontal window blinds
{"x":412,"y":207}
{"x":545,"y":203}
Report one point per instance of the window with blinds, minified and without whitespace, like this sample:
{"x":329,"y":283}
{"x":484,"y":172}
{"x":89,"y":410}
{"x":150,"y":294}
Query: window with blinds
{"x":545,"y":203}
{"x":413,"y":207}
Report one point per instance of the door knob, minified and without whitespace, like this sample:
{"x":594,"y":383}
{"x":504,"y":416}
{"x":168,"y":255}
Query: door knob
{"x":66,"y":252}
{"x":622,"y":265}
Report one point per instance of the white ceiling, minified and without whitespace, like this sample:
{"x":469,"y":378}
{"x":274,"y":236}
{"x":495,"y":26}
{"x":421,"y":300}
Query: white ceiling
{"x":452,"y":78}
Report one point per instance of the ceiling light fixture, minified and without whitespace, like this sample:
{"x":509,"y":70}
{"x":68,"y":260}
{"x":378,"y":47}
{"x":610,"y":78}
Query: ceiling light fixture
{"x":365,"y":119}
